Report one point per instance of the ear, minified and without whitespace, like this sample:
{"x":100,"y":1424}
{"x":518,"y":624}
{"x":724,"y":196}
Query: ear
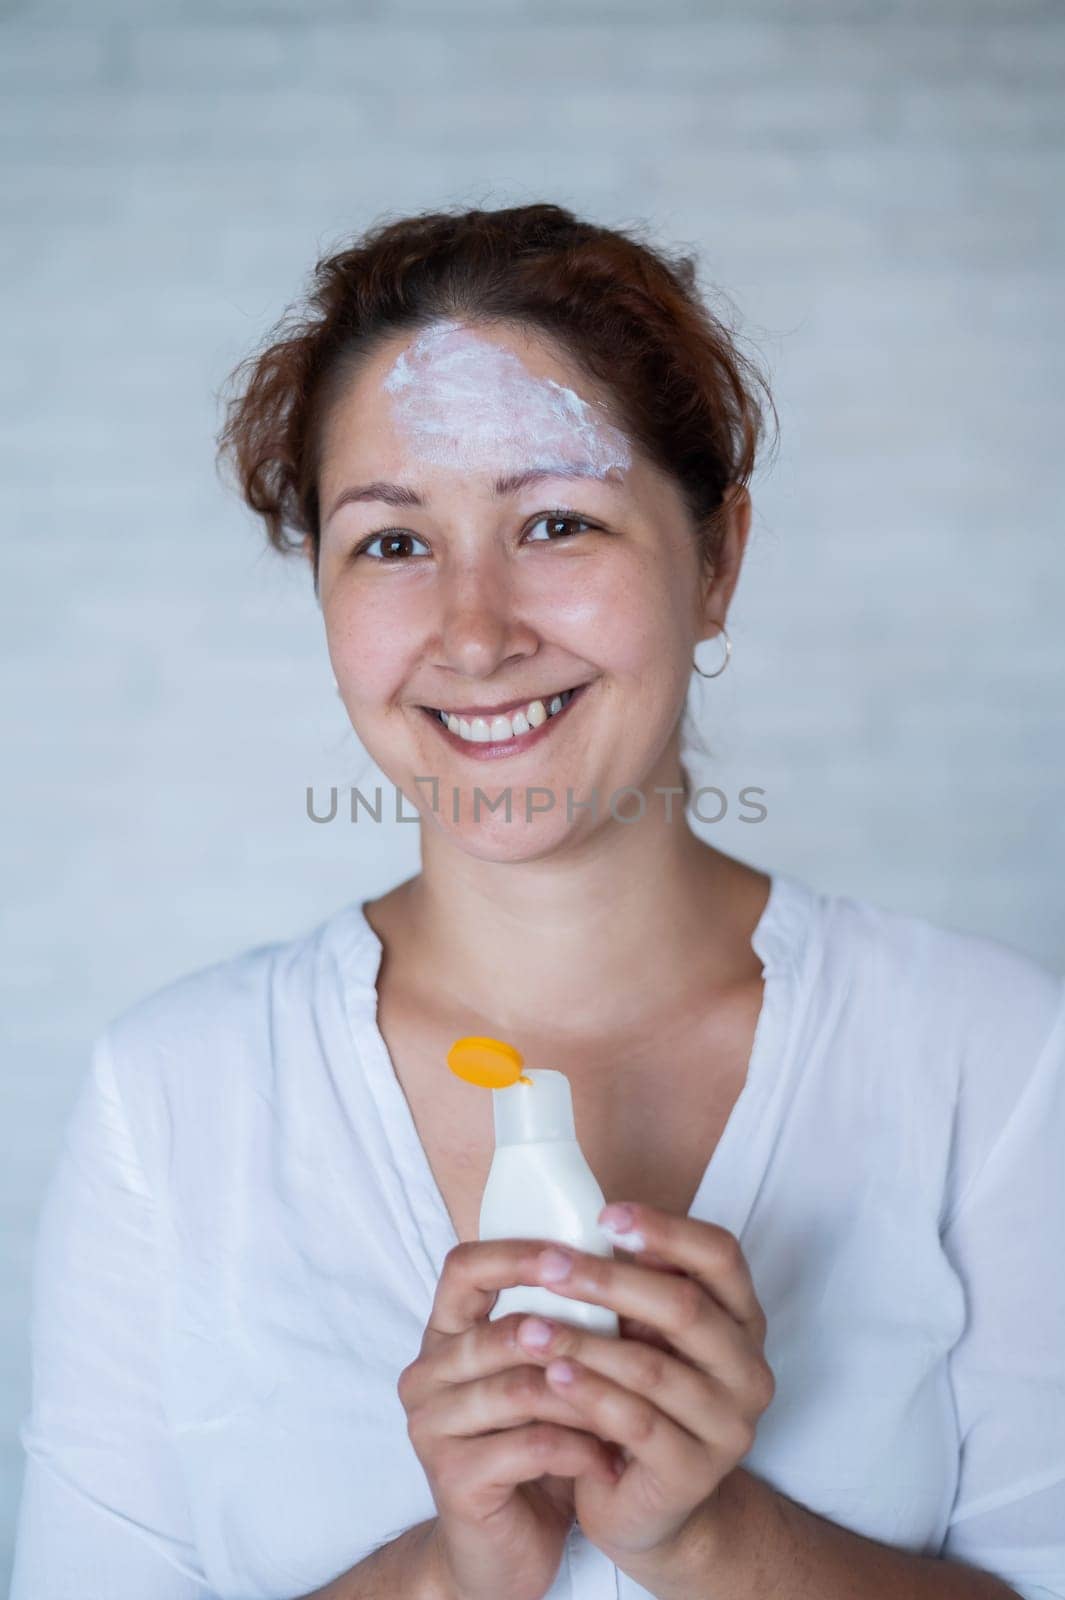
{"x":732,"y":522}
{"x":307,"y":550}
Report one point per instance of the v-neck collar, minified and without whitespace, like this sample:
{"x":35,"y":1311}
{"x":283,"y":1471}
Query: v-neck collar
{"x":730,"y":1182}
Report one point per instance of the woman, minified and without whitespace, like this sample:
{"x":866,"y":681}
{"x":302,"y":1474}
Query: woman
{"x":514,"y":448}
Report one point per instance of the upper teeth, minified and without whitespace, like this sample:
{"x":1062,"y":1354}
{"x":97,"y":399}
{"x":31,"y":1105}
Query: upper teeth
{"x":485,"y":730}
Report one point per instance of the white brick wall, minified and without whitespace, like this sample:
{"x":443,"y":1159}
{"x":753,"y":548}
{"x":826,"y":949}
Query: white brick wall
{"x":875,"y":185}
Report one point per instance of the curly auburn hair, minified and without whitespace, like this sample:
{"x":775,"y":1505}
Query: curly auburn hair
{"x":630,"y":316}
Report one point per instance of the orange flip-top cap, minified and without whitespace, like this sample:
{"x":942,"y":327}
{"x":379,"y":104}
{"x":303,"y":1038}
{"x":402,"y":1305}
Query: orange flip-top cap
{"x":490,"y":1063}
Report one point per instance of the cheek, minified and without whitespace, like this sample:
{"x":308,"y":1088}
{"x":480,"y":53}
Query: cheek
{"x":373,"y":645}
{"x":619,"y":613}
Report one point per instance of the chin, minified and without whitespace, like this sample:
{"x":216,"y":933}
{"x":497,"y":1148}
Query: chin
{"x":492,"y":838}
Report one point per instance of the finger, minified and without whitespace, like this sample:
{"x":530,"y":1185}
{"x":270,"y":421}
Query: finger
{"x":469,"y":1467}
{"x":711,"y":1255}
{"x":678,"y":1306}
{"x":488,"y":1347}
{"x":505,"y":1400}
{"x":679,"y":1461}
{"x":632,"y":1327}
{"x":690,"y":1397}
{"x":474,"y":1271}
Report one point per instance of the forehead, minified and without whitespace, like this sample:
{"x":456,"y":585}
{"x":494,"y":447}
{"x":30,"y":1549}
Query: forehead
{"x":458,"y":394}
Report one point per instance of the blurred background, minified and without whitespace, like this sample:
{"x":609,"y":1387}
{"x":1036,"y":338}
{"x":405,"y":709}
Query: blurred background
{"x":873,"y":190}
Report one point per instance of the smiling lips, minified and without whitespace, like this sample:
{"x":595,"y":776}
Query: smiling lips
{"x":501,"y":734}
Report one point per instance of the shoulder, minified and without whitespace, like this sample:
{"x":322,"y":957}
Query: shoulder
{"x":198,"y":1044}
{"x":905,"y":961}
{"x":955,"y":1021}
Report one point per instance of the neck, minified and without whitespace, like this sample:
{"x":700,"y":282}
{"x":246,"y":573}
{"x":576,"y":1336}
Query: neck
{"x":630,"y":924}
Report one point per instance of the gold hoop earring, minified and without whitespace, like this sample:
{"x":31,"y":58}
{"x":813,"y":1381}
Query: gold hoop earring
{"x":724,"y":664}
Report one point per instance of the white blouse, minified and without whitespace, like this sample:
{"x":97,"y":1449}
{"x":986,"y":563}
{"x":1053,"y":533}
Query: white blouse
{"x":239,"y":1247}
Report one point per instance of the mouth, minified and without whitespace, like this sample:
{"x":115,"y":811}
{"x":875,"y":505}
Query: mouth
{"x":489,"y":738}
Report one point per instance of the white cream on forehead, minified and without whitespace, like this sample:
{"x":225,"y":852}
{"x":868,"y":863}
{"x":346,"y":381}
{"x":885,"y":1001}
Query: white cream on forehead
{"x":464,"y":401}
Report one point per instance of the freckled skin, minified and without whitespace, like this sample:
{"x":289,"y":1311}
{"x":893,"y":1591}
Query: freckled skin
{"x":476,"y":611}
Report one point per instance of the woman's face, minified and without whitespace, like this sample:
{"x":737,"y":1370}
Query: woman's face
{"x":443,"y":588}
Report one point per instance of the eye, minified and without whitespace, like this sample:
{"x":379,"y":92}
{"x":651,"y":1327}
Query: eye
{"x":557,"y":518}
{"x":391,"y":538}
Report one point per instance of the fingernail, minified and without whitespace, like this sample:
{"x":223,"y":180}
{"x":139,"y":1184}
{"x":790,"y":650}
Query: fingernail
{"x":615,"y":1222}
{"x":555,"y":1265}
{"x":535,"y":1332}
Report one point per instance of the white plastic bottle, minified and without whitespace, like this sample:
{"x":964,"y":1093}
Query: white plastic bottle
{"x":541,"y":1187}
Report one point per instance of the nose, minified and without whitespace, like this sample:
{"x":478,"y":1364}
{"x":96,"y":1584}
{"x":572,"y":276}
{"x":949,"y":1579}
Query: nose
{"x":480,"y":624}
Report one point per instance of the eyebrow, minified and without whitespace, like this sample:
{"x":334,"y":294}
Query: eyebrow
{"x":395,"y":494}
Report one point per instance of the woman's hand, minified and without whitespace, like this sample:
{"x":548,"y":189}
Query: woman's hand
{"x":683,"y":1398}
{"x":500,"y":1447}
